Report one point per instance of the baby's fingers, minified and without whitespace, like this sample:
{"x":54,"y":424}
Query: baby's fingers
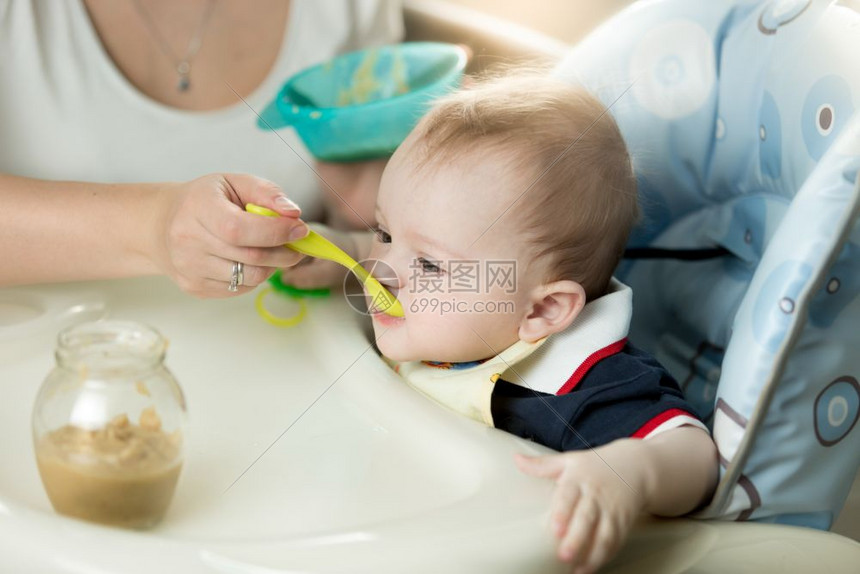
{"x":549,"y":466}
{"x":576,"y":544}
{"x":564,"y":500}
{"x":607,"y":539}
{"x":314,"y":273}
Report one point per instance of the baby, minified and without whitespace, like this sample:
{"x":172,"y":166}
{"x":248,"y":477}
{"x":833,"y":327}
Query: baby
{"x":501,"y":218}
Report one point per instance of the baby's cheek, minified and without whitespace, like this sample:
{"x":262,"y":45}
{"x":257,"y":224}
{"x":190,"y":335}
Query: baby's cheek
{"x":387,"y":345}
{"x":420,"y":339}
{"x":435,"y":337}
{"x":374,"y":250}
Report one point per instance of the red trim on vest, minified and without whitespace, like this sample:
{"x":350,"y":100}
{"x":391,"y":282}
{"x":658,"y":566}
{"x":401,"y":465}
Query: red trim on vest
{"x":589,"y":362}
{"x":646,"y":429}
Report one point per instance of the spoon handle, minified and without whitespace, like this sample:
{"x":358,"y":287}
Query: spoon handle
{"x":315,"y":245}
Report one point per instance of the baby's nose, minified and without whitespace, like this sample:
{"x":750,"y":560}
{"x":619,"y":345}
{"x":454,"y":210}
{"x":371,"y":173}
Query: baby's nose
{"x":392,"y":286}
{"x":386,"y":275}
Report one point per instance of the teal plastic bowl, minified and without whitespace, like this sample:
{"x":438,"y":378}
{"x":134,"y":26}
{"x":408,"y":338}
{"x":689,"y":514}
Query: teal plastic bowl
{"x":362,"y":105}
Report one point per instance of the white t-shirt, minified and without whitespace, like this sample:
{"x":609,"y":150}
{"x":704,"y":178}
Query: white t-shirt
{"x":68,"y":113}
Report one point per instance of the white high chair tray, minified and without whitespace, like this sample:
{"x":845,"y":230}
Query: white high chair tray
{"x":371,"y":476}
{"x":307,"y":454}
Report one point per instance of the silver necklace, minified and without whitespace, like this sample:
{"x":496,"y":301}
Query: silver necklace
{"x":182,"y":65}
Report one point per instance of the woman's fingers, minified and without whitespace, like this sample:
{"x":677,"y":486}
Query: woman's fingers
{"x":222,"y":270}
{"x":205,"y":229}
{"x":244,"y":188}
{"x":206,"y":255}
{"x":240,"y":228}
{"x":211,"y":276}
{"x":275,"y":257}
{"x":211,"y":289}
{"x":225,"y":216}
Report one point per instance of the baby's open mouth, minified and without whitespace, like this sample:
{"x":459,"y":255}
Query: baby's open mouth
{"x":384,"y":319}
{"x":379,"y":302}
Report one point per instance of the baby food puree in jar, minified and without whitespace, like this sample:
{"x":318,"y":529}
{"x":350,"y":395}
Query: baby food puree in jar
{"x":96,"y":462}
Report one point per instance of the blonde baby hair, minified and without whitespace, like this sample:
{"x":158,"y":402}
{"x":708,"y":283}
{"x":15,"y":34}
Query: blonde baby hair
{"x":578,"y":197}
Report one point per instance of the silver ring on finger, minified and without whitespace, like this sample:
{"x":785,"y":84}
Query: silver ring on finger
{"x":237,"y":277}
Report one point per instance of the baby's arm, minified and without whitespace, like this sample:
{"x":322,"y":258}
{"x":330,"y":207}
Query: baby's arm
{"x":680,"y":468}
{"x":349,"y":193}
{"x":600,"y":492}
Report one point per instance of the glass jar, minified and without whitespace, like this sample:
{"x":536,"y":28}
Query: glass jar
{"x":109,"y":425}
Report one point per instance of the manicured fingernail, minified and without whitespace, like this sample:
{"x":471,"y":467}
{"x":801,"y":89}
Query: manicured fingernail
{"x":298,"y":232}
{"x":286,"y":203}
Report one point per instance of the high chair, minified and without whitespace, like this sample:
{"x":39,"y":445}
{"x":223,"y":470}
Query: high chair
{"x":741,"y":119}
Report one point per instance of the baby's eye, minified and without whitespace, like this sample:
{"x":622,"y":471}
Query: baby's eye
{"x":428,"y":266}
{"x":382,"y":236}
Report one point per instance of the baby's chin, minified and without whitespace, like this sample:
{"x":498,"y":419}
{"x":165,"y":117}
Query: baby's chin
{"x":396,"y":352}
{"x":403,"y":355}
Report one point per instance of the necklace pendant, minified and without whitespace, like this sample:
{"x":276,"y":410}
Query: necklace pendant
{"x":183,"y":69}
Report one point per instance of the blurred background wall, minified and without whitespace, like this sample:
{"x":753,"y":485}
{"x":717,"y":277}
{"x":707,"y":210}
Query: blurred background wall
{"x":566,"y":20}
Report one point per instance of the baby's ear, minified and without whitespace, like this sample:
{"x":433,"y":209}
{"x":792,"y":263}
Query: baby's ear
{"x":554,"y":306}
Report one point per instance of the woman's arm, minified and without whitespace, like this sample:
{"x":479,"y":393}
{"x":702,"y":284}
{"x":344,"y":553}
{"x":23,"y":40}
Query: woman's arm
{"x":192,"y":232}
{"x":349,"y":192}
{"x":56,"y":231}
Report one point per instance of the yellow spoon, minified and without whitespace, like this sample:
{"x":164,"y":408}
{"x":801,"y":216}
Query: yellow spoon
{"x":316,"y":245}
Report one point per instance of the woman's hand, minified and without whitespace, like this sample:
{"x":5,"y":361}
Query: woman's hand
{"x":202,"y":228}
{"x":592,"y":509}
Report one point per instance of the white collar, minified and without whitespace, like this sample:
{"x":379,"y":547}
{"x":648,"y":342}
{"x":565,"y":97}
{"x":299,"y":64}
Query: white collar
{"x":554,"y":364}
{"x":600,"y":330}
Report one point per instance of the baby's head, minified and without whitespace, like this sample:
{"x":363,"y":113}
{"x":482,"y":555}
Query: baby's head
{"x":504,"y":211}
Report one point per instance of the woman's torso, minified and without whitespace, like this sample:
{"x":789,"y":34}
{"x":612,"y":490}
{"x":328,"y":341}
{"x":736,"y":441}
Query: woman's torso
{"x":67,"y":112}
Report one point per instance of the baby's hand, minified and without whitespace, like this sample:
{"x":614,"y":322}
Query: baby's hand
{"x":592,"y":509}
